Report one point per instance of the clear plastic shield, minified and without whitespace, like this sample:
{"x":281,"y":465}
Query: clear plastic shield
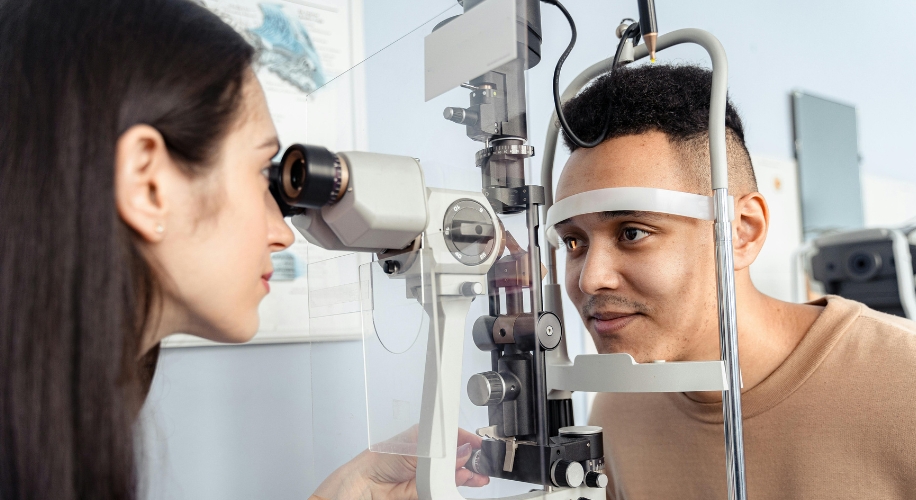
{"x":402,"y":359}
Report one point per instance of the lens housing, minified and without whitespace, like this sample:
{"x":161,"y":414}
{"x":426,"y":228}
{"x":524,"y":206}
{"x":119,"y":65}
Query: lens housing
{"x":308,"y":177}
{"x":863,"y":266}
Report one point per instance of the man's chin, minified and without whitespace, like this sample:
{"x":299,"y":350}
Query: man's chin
{"x":619,"y":344}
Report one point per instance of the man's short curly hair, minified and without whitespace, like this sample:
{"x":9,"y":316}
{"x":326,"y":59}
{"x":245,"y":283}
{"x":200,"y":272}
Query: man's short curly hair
{"x":672,"y":99}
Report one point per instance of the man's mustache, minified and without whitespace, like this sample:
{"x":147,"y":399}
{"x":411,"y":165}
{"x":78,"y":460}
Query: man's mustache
{"x":596,"y":303}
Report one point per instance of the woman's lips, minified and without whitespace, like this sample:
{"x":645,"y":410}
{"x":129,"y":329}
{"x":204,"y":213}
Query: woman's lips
{"x":265,"y":280}
{"x":612,"y":324}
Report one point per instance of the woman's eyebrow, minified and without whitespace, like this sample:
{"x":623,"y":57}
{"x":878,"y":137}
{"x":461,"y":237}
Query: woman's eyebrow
{"x":273,"y":142}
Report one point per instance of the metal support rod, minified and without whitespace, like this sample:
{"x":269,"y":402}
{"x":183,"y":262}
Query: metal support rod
{"x":728,"y":346}
{"x":540,"y":361}
{"x":728,"y":334}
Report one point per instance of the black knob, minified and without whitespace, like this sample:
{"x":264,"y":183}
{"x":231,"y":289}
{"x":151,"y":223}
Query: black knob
{"x":596,"y":479}
{"x":391,"y":267}
{"x":567,"y":474}
{"x":478,"y":463}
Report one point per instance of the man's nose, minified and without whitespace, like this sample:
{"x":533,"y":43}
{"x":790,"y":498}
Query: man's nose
{"x":599,"y":272}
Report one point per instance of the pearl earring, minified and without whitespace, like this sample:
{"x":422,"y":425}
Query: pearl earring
{"x":160,"y":229}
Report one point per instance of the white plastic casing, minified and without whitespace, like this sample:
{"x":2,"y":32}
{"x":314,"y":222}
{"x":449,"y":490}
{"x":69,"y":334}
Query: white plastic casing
{"x":385,"y":203}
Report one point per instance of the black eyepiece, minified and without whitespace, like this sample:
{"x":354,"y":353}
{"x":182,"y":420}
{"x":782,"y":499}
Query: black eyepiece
{"x":307,"y":177}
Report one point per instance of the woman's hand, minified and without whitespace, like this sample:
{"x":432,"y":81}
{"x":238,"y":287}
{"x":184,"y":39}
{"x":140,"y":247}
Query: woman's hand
{"x":380,"y":476}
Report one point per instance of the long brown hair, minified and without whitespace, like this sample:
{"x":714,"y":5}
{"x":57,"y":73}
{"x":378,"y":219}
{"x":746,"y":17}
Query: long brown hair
{"x":75,"y":291}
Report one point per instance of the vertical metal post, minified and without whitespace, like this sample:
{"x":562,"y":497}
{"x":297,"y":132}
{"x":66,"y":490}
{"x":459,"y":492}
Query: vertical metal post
{"x":728,"y":345}
{"x":540,"y":361}
{"x":537,"y":305}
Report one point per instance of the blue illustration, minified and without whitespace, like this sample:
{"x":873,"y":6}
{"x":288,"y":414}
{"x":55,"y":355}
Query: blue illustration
{"x":286,"y":49}
{"x":287,"y":266}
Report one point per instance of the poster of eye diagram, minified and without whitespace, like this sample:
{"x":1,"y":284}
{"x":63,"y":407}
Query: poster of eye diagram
{"x":306,"y":53}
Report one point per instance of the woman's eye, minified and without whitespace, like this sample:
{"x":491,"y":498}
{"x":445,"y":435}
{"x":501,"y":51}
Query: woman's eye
{"x":633,"y":234}
{"x":266,"y":172}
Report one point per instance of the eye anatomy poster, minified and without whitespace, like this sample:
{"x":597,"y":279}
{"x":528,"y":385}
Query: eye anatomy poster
{"x":306,"y":51}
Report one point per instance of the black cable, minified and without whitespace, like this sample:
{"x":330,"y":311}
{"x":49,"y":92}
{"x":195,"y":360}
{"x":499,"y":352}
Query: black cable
{"x":632,"y":31}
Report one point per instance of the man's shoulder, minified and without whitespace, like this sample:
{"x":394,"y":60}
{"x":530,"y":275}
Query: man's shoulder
{"x":875,"y":347}
{"x":892,"y":334}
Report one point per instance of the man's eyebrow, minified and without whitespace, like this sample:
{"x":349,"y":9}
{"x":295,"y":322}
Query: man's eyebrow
{"x":617,"y":214}
{"x":639,"y":214}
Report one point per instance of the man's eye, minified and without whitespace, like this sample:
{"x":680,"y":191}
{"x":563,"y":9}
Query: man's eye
{"x":571,"y":243}
{"x":633,"y":234}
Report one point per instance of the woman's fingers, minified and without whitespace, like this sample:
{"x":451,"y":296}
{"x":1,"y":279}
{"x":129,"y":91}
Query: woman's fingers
{"x":463,"y":454}
{"x":464,"y":477}
{"x":469,"y":437}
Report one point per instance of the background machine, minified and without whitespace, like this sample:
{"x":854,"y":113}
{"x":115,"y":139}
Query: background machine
{"x":450,"y":247}
{"x":872,"y":266}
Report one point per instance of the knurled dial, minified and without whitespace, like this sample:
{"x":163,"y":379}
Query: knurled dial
{"x":470,"y":232}
{"x":486,"y":388}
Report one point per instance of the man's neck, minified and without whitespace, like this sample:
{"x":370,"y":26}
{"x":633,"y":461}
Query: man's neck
{"x":768,"y":331}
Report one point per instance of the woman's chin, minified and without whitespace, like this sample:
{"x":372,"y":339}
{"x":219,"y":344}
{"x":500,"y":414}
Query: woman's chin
{"x":237,"y":336}
{"x":235,"y":332}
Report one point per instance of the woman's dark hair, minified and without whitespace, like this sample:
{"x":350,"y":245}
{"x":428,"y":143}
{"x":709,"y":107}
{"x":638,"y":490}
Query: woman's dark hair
{"x":75,"y":291}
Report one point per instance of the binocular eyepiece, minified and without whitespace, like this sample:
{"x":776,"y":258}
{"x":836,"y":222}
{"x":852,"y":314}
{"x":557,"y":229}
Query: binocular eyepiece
{"x":308,"y":177}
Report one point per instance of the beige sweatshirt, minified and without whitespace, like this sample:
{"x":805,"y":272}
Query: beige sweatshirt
{"x":837,"y":420}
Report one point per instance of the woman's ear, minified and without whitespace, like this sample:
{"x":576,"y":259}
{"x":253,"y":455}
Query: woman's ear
{"x":141,"y":159}
{"x":749,"y":229}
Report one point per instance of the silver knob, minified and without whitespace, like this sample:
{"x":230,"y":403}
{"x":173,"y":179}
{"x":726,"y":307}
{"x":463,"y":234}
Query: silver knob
{"x":486,"y":388}
{"x":596,"y":479}
{"x":471,"y":288}
{"x":567,"y":474}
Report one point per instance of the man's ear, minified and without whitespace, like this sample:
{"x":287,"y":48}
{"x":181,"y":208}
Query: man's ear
{"x":749,"y":229}
{"x":141,"y":158}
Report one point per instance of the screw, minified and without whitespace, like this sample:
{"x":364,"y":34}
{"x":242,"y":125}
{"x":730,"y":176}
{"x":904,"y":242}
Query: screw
{"x":549,"y":330}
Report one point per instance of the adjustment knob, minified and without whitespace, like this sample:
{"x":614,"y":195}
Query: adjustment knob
{"x":486,"y":388}
{"x":595,"y":479}
{"x":567,"y":474}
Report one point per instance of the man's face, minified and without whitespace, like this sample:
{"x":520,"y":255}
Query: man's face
{"x":644,"y":283}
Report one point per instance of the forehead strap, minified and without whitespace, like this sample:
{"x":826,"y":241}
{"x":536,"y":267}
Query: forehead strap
{"x":637,"y":199}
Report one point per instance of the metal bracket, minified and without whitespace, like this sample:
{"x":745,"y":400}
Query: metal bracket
{"x":518,"y":197}
{"x":621,"y":373}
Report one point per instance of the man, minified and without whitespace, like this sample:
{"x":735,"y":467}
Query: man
{"x":829,"y":400}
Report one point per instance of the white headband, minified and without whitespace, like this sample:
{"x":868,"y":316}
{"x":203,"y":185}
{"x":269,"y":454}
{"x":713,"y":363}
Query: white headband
{"x":637,"y":199}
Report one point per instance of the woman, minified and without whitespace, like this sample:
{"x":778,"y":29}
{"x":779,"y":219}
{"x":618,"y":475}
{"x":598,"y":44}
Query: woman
{"x":134,"y":203}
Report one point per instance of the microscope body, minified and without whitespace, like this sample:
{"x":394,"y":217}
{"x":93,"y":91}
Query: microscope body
{"x":450,"y":246}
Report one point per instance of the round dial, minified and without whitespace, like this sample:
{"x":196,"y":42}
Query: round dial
{"x":470,"y":232}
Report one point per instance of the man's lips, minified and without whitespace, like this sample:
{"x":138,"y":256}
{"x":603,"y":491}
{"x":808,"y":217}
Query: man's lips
{"x":608,"y":323}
